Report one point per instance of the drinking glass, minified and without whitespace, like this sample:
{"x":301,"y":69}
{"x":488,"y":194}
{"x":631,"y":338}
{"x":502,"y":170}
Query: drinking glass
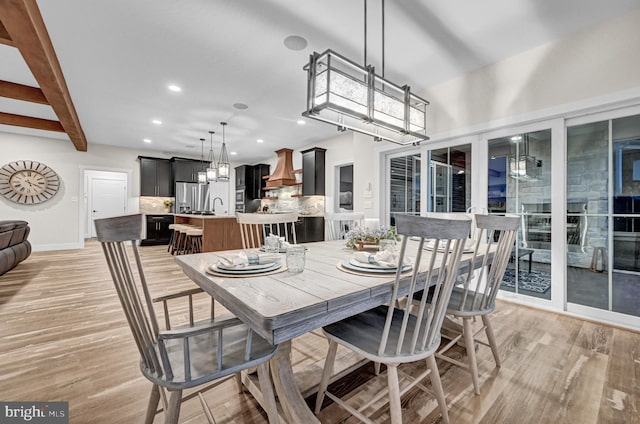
{"x":387,"y":245}
{"x":295,"y":258}
{"x":272,"y":244}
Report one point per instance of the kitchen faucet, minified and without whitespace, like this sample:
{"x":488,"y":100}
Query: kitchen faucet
{"x":213,"y":204}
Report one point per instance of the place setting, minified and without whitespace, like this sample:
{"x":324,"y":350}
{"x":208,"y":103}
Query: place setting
{"x":381,"y":263}
{"x":247,"y":264}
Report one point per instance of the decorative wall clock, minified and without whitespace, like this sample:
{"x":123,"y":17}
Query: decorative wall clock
{"x":28,"y":182}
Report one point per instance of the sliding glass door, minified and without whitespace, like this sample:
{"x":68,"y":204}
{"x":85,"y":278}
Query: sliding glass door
{"x":603,"y":204}
{"x":519,"y":183}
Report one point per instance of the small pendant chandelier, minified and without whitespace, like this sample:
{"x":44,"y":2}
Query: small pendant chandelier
{"x":202,"y":175}
{"x":223,"y":163}
{"x":212,"y":169}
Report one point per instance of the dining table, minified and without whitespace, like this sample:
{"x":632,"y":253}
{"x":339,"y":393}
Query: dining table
{"x":283,"y":305}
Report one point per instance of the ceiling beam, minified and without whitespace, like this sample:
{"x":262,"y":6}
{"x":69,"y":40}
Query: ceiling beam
{"x":25,"y":93}
{"x":29,"y":122}
{"x":24,"y":24}
{"x":4,"y":36}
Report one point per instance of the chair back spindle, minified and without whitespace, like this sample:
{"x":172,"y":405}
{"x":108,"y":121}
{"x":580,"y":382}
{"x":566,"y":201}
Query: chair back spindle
{"x":420,"y":332}
{"x":340,"y":223}
{"x":254,"y":228}
{"x":494,"y":242}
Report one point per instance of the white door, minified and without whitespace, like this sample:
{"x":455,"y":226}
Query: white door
{"x":106,"y":196}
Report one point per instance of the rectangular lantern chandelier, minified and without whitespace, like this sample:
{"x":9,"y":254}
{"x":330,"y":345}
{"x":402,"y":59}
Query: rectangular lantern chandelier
{"x":345,"y":94}
{"x":524,"y":168}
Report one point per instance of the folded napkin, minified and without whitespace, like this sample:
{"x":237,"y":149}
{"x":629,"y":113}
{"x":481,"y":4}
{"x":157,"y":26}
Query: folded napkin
{"x":383,"y":258}
{"x":245,"y":258}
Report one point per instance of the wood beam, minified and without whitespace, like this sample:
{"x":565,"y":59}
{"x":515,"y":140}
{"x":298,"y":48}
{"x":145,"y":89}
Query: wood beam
{"x":4,"y":36}
{"x":25,"y":26}
{"x":30,"y":122}
{"x":22,"y":92}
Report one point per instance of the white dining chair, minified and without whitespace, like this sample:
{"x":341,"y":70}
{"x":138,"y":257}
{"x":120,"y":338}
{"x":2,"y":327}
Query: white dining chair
{"x":391,"y":334}
{"x":340,"y":223}
{"x":255,"y":227}
{"x":476,"y":292}
{"x":199,"y":354}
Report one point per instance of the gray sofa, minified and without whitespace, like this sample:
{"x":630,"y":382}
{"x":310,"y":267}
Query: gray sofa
{"x":14,"y":246}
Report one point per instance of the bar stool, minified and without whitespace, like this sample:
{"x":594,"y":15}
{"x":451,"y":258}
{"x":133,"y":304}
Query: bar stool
{"x":598,"y":253}
{"x":193,"y":240}
{"x":179,"y":239}
{"x":171,"y":246}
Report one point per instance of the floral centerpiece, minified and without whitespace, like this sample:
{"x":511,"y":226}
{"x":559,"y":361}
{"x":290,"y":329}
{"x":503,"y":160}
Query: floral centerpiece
{"x":358,"y":236}
{"x":167,"y":204}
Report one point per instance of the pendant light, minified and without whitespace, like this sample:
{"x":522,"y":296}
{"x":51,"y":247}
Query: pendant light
{"x":212,"y":169}
{"x":202,"y":176}
{"x":351,"y":96}
{"x":223,"y":163}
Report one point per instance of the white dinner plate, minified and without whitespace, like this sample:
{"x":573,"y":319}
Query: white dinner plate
{"x":368,"y":265}
{"x":247,"y":267}
{"x":347,"y":264}
{"x":270,"y":267}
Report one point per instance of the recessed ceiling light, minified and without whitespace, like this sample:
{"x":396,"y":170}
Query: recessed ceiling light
{"x":295,"y":42}
{"x":301,"y":122}
{"x":240,"y":106}
{"x":175,"y":88}
{"x":146,"y":140}
{"x":157,"y":121}
{"x":233,"y":153}
{"x":260,"y":140}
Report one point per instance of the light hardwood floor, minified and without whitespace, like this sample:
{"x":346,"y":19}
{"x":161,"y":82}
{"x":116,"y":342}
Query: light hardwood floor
{"x":63,"y":337}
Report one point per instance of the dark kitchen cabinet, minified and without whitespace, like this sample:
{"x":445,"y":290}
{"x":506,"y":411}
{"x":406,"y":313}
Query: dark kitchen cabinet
{"x":186,"y":170}
{"x":155,"y":177}
{"x":310,"y":229}
{"x":313,"y":161}
{"x":158,"y":231}
{"x":260,"y":171}
{"x":249,"y":177}
{"x":241,"y":176}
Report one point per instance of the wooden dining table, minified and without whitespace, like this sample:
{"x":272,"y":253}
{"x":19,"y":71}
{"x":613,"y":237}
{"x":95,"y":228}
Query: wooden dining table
{"x":281,"y":306}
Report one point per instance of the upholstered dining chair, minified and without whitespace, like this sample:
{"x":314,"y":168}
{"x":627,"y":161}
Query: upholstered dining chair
{"x":184,"y":357}
{"x":339,"y":223}
{"x":254,"y":227}
{"x":391,"y":334}
{"x":475,"y":295}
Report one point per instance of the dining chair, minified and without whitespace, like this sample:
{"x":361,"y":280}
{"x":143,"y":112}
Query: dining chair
{"x":475,"y":296}
{"x":340,"y":223}
{"x":255,"y":227}
{"x":390,"y":333}
{"x":181,"y":357}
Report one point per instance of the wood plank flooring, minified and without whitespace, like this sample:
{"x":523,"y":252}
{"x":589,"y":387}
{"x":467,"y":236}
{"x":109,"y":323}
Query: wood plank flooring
{"x":63,"y":337}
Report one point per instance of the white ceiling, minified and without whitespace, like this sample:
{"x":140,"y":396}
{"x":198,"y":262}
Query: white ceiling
{"x":119,"y":56}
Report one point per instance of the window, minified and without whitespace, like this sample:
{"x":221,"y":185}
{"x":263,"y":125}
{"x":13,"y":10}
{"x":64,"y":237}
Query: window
{"x":404,"y":191}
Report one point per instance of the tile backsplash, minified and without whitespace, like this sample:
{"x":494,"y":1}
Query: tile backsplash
{"x":151,"y":205}
{"x":307,"y":205}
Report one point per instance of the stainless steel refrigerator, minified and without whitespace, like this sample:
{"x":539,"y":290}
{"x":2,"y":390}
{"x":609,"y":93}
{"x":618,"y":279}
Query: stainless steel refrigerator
{"x":191,"y":197}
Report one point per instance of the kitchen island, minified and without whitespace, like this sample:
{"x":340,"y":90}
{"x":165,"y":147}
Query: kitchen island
{"x":219,"y":232}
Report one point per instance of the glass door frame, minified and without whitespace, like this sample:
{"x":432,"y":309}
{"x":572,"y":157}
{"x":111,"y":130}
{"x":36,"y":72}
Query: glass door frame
{"x":588,"y":311}
{"x":473,"y":140}
{"x":558,"y":202}
{"x":385,"y":215}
